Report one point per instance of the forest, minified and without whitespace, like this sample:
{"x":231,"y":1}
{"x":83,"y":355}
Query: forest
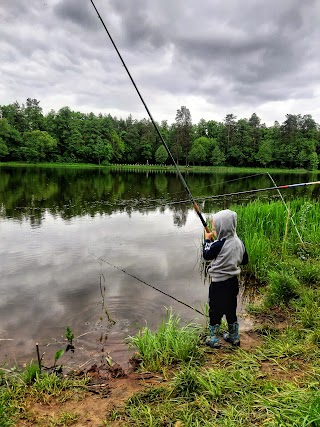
{"x":66,"y":136}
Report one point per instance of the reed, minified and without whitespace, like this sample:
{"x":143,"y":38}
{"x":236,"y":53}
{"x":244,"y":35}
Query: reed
{"x":268,"y":221}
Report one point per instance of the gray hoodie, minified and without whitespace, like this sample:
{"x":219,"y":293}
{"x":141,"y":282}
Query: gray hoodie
{"x":228,"y":251}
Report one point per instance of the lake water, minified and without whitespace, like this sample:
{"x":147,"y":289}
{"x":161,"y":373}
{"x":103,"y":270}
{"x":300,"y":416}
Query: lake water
{"x":66,"y":235}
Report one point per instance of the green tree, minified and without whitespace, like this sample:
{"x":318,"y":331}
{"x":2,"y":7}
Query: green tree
{"x":4,"y":151}
{"x":215,"y":129}
{"x":62,"y":131}
{"x":313,"y":161}
{"x":255,"y":123}
{"x":109,"y":133}
{"x":10,"y":141}
{"x":33,"y":115}
{"x":240,"y":150}
{"x":15,"y":116}
{"x":148,"y":140}
{"x":38,"y":146}
{"x":130,"y":137}
{"x":161,"y":155}
{"x":230,"y":123}
{"x":289,"y":139}
{"x":197,"y":154}
{"x":118,"y":146}
{"x":176,"y":148}
{"x":217,"y":158}
{"x":264,"y":156}
{"x":207,"y":144}
{"x":102,"y":151}
{"x":201,"y":129}
{"x":183,"y":132}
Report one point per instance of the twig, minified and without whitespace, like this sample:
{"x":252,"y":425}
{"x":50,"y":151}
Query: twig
{"x":38,"y":355}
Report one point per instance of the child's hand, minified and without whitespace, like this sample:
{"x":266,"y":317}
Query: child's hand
{"x":208,"y":236}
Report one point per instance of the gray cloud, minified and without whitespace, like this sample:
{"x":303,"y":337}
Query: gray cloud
{"x":214,"y":57}
{"x":78,"y":12}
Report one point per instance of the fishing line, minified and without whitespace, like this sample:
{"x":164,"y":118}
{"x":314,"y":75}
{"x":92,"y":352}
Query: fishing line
{"x":217,"y":183}
{"x":229,"y":180}
{"x":288,"y":211}
{"x":145,"y":283}
{"x":196,"y":207}
{"x":256,"y":190}
{"x":162,"y":202}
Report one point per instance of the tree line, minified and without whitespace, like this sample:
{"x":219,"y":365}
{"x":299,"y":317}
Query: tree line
{"x":66,"y":136}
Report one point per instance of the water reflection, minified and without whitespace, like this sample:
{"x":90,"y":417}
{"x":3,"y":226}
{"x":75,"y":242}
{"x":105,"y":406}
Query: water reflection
{"x":52,"y":220}
{"x":31,"y":192}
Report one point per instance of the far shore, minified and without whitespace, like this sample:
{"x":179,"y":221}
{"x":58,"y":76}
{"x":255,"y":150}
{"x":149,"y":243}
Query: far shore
{"x":162,"y":168}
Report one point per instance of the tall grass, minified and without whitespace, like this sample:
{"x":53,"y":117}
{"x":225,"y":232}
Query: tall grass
{"x":268,"y":221}
{"x":277,"y":256}
{"x":170,"y":344}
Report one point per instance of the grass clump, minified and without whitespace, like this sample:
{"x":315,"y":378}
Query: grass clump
{"x":168,"y":345}
{"x":282,"y":287}
{"x":17,"y":387}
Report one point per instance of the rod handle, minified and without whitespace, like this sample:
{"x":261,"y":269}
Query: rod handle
{"x":197,"y":209}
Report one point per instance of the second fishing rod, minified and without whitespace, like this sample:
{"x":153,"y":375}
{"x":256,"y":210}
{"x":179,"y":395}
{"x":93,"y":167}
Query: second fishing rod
{"x":195,"y":205}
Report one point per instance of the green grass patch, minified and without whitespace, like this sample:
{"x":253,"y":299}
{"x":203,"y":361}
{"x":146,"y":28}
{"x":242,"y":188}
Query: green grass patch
{"x":16,"y":387}
{"x":233,"y":395}
{"x":170,"y":344}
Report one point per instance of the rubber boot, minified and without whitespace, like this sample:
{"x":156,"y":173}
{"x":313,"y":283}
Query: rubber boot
{"x":213,"y":339}
{"x":232,"y":336}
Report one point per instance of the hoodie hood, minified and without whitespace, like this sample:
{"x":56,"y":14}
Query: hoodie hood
{"x":225,"y":223}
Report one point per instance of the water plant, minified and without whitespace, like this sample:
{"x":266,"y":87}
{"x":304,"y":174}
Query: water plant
{"x":69,"y":335}
{"x":57,"y":356}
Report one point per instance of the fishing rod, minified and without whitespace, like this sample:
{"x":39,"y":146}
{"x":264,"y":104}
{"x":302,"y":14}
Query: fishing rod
{"x":195,"y":206}
{"x":145,"y":283}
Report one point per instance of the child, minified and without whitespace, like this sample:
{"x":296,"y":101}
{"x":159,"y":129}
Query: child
{"x":227,"y":254}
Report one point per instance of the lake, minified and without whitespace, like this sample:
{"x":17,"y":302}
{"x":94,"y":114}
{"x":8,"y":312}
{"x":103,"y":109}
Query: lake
{"x":79,"y":247}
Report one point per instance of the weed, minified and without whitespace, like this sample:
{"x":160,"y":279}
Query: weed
{"x":69,"y":335}
{"x":57,"y":356}
{"x":30,"y":373}
{"x":64,"y":419}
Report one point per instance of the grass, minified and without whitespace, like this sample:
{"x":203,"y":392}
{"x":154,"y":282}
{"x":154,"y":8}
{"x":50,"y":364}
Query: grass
{"x":277,"y":384}
{"x":233,"y":395}
{"x":169,"y":345}
{"x":277,"y":257}
{"x":17,"y":387}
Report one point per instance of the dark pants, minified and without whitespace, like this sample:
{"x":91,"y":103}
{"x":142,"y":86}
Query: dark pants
{"x":223,"y":300}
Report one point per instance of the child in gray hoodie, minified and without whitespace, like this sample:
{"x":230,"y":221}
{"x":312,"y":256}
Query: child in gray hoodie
{"x":227,"y":253}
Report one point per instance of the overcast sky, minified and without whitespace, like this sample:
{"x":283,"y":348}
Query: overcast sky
{"x":215,"y":57}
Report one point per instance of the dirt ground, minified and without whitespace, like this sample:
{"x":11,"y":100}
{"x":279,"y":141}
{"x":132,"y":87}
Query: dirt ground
{"x":108,"y":390}
{"x":103,"y":397}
